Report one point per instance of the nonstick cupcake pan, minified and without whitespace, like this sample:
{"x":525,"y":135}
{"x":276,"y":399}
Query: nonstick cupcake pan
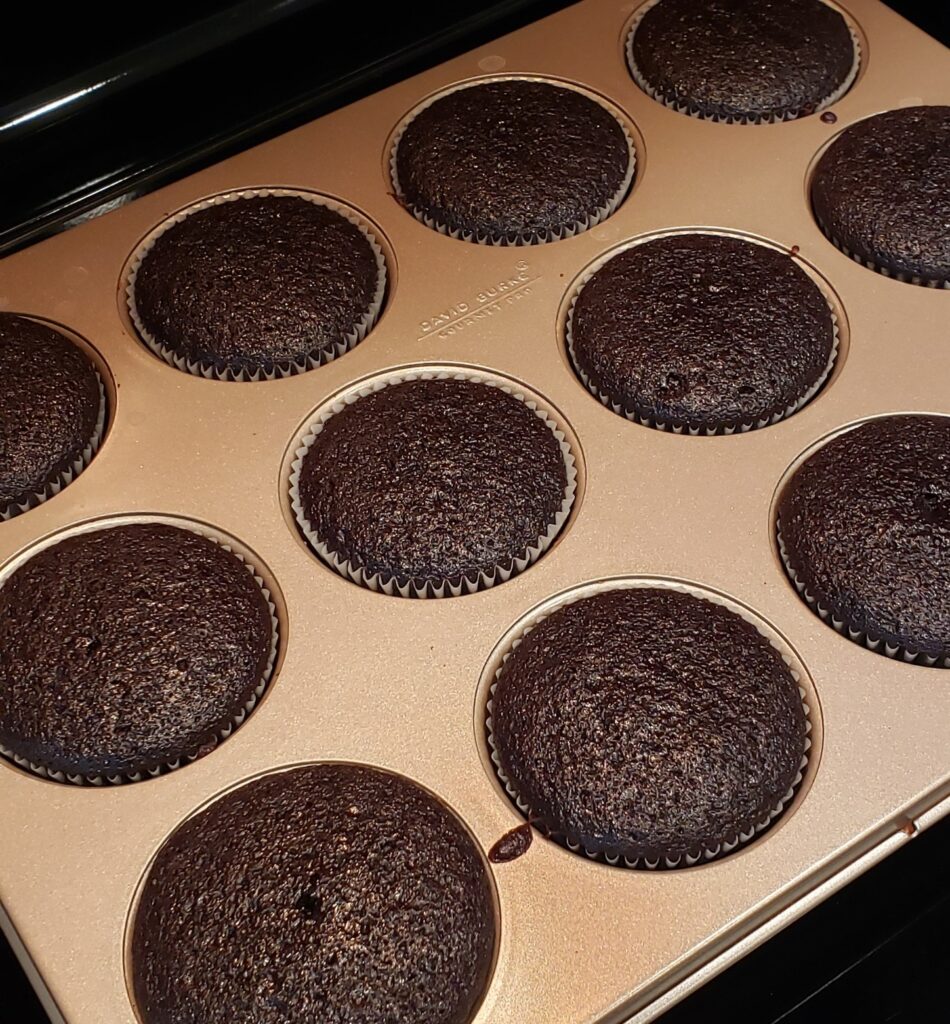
{"x":402,"y":683}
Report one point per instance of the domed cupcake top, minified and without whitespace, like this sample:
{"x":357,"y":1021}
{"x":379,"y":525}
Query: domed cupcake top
{"x":511,"y":161}
{"x":126,"y":650}
{"x":257,"y":284}
{"x":702,"y":332}
{"x":864,"y":525}
{"x":881,"y":192}
{"x":52,"y":411}
{"x":743,"y":60}
{"x":427,"y":482}
{"x":647,"y":724}
{"x":330,"y":892}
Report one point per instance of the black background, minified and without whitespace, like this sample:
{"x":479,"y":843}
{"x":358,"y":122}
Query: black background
{"x":879,"y":951}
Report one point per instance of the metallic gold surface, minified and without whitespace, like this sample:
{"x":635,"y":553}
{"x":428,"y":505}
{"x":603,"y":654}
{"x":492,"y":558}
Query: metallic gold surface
{"x":393,"y":682}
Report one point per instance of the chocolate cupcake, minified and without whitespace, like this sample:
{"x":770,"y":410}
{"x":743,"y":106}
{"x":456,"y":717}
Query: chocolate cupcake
{"x":52,"y":412}
{"x":512,"y":161}
{"x":331,"y":892}
{"x":647,"y":725}
{"x":864,"y":531}
{"x":432,"y":485}
{"x":127,"y":651}
{"x":257,"y":284}
{"x":745,"y":61}
{"x":881,"y":193}
{"x":701,"y":333}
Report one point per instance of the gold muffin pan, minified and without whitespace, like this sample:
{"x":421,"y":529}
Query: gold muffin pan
{"x":399,"y":683}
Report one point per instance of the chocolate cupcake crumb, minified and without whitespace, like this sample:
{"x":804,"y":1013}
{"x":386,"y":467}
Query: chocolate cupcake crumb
{"x":512,"y":845}
{"x":513,"y":161}
{"x":703,"y":333}
{"x":746,"y":61}
{"x":330,"y":892}
{"x":52,"y":410}
{"x":647,"y":725}
{"x":126,"y":650}
{"x":864,"y":525}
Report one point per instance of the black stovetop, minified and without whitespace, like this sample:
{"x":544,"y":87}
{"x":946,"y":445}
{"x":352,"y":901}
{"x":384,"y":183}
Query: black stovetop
{"x":100,"y":107}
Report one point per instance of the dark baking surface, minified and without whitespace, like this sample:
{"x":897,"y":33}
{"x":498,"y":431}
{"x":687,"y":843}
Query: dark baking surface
{"x":866,"y":527}
{"x":509,"y":160}
{"x":332,"y":893}
{"x":702,"y":330}
{"x":647,"y":723}
{"x":882,"y":191}
{"x":734,"y":59}
{"x":111,"y":106}
{"x":49,"y":406}
{"x":432,"y":480}
{"x":875,"y":952}
{"x":123,"y":649}
{"x":256,"y":283}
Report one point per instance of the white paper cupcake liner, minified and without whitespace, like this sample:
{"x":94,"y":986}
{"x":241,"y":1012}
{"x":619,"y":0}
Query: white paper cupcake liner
{"x":220,"y":370}
{"x":699,"y":855}
{"x":874,"y":643}
{"x":693,"y":111}
{"x":686,"y":427}
{"x":66,"y":476}
{"x":515,"y":238}
{"x":897,"y":275}
{"x":423,"y":587}
{"x":221,"y":734}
